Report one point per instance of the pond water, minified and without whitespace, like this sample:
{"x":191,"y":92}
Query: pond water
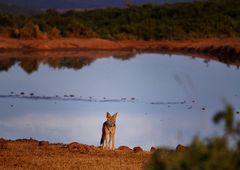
{"x":161,"y":99}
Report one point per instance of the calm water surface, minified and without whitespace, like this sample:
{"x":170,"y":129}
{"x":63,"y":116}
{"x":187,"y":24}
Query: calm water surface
{"x":162,"y":100}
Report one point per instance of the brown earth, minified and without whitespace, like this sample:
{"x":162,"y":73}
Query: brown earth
{"x":33,"y":154}
{"x":226,"y":50}
{"x":103,"y":44}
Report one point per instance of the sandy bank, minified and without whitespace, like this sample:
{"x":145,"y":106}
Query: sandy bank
{"x":226,"y":50}
{"x":209,"y":45}
{"x":33,"y":154}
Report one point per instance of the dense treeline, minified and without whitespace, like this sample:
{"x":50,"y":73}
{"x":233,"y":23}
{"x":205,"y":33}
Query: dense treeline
{"x":213,"y":18}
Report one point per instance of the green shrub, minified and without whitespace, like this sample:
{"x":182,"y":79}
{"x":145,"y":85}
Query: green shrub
{"x":54,"y":33}
{"x":216,"y":153}
{"x":30,"y":30}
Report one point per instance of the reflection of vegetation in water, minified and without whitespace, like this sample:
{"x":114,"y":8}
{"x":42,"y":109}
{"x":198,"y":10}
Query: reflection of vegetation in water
{"x":30,"y":64}
{"x":213,"y":154}
{"x":68,"y":62}
{"x":124,"y":57}
{"x":6,"y":64}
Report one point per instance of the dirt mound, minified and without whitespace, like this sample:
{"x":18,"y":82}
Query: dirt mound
{"x":137,"y":149}
{"x":81,"y":147}
{"x":124,"y":148}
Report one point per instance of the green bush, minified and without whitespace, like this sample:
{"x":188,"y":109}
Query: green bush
{"x":216,"y":153}
{"x":30,"y":30}
{"x":54,"y":33}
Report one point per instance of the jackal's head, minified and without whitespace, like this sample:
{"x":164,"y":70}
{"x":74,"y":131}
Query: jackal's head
{"x":111,"y":119}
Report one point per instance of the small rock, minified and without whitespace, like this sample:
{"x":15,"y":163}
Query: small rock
{"x":81,"y":147}
{"x":124,"y":148}
{"x":153,"y":149}
{"x":71,"y":95}
{"x":237,"y":112}
{"x":203,"y":108}
{"x":22,"y":93}
{"x":31,"y":94}
{"x":137,"y":149}
{"x":43,"y":143}
{"x":181,"y":148}
{"x":3,"y":143}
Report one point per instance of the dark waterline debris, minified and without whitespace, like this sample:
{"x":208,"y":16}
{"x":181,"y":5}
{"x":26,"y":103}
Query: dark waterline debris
{"x":22,"y":93}
{"x":183,"y":102}
{"x":238,"y":112}
{"x":167,"y":103}
{"x":32,"y":96}
{"x":71,"y":95}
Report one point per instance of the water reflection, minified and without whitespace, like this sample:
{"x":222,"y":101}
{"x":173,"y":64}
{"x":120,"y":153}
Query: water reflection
{"x":30,"y":62}
{"x":161,"y":99}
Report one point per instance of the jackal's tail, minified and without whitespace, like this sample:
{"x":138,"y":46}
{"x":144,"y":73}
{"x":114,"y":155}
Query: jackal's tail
{"x":102,"y":139}
{"x":103,"y":135}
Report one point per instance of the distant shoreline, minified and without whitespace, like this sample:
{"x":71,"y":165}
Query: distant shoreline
{"x":226,"y":50}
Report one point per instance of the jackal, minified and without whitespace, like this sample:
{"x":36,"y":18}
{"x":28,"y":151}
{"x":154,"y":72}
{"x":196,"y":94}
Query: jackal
{"x":108,"y":130}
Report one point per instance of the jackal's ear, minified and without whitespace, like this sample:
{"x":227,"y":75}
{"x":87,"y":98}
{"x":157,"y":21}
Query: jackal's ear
{"x":115,"y":115}
{"x":108,"y":115}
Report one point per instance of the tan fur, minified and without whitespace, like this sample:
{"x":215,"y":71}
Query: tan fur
{"x":108,"y":131}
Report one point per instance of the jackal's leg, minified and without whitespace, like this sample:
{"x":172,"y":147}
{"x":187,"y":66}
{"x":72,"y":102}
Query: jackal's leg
{"x":113,"y":141}
{"x":107,"y":146}
{"x":110,"y":140}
